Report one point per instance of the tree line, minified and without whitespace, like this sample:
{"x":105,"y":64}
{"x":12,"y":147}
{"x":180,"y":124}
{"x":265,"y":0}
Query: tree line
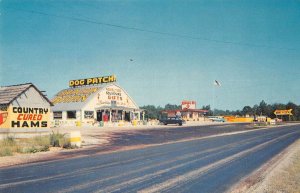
{"x":153,"y":112}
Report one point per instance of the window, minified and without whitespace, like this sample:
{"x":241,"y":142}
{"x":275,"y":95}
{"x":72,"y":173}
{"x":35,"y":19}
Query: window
{"x":71,"y":114}
{"x":88,"y":114}
{"x":3,"y":107}
{"x":113,"y":103}
{"x":57,"y":115}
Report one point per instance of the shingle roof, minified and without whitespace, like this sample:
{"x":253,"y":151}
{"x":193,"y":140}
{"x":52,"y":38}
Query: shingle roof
{"x":9,"y":93}
{"x":71,"y":105}
{"x":68,"y":106}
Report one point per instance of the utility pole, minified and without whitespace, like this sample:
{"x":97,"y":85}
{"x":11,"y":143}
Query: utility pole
{"x":216,"y":84}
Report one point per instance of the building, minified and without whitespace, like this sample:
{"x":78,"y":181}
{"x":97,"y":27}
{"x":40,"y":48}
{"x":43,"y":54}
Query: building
{"x":24,"y":109}
{"x":93,"y":101}
{"x":188,"y":112}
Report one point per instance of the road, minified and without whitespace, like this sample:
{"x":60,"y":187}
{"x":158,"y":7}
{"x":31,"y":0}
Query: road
{"x":198,"y":165}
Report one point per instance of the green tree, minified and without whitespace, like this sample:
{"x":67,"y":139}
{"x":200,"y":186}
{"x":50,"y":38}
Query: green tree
{"x":263,"y":108}
{"x":247,"y":110}
{"x":172,"y":107}
{"x":295,"y":110}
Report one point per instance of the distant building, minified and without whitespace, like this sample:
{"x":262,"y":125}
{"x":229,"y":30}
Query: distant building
{"x":90,"y":104}
{"x":23,"y":108}
{"x":187,"y":112}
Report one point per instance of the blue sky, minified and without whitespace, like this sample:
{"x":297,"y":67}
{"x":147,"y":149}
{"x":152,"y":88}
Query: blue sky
{"x":251,"y":47}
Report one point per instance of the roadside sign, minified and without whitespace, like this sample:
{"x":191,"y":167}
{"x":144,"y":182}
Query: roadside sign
{"x":283,"y":112}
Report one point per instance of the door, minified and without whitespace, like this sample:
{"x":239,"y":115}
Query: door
{"x":99,"y":116}
{"x":127,"y":116}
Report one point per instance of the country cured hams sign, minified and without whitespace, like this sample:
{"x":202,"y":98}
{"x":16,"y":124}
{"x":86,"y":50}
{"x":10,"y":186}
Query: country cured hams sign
{"x":25,"y":117}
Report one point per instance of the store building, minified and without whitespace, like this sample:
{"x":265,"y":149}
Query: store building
{"x":92,"y":101}
{"x":24,"y":109}
{"x":188,"y":112}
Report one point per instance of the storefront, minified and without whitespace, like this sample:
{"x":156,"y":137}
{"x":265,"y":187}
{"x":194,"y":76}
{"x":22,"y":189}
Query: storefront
{"x":188,"y":112}
{"x":92,"y":101}
{"x":24,"y":108}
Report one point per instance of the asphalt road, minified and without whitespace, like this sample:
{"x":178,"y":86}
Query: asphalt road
{"x":199,"y":165}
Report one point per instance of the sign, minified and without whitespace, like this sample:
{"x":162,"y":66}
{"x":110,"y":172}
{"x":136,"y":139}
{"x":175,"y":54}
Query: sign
{"x":25,"y":117}
{"x":188,"y":104}
{"x":283,"y":112}
{"x":114,"y":96}
{"x":91,"y":81}
{"x":3,"y":117}
{"x":74,"y":95}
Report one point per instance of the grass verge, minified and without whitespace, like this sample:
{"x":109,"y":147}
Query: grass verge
{"x":10,"y":146}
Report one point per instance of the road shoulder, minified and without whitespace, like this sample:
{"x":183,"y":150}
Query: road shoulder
{"x":280,"y":174}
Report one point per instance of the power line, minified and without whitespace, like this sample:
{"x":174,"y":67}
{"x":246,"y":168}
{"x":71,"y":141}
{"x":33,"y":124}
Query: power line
{"x":148,"y":31}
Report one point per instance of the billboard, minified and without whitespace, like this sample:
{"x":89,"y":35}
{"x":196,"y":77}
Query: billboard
{"x":92,"y":81}
{"x":188,"y":104}
{"x":283,"y":112}
{"x":74,"y":95}
{"x":24,"y":117}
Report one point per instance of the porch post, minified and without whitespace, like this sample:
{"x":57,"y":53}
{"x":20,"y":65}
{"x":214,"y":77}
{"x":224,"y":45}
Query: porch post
{"x":109,"y":115}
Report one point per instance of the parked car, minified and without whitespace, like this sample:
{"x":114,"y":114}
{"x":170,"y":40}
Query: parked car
{"x":171,"y":120}
{"x":216,"y":118}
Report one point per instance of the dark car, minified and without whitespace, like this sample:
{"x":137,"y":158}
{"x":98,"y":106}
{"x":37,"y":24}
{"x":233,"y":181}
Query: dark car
{"x":171,"y":120}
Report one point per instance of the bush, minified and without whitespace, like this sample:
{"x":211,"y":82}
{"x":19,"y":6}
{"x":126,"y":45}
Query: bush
{"x":5,"y":151}
{"x":8,"y":141}
{"x":34,"y":149}
{"x":8,"y":146}
{"x":59,"y":140}
{"x":36,"y":144}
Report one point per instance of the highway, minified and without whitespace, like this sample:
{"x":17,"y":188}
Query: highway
{"x":192,"y":165}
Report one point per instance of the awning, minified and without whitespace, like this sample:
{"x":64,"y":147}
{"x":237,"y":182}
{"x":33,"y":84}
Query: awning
{"x":118,"y":108}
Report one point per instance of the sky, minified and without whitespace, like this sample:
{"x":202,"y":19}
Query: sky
{"x":161,"y":51}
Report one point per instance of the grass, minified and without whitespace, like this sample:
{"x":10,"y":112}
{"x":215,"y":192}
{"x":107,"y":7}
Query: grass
{"x":9,"y":146}
{"x":59,"y":140}
{"x":36,"y":144}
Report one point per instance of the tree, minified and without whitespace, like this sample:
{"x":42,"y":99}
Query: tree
{"x":295,"y":110}
{"x":207,"y":107}
{"x":263,"y":108}
{"x":150,"y":112}
{"x":247,"y":110}
{"x":172,"y":107}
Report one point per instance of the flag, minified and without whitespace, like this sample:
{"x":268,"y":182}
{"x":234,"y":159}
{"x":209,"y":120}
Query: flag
{"x":217,"y":83}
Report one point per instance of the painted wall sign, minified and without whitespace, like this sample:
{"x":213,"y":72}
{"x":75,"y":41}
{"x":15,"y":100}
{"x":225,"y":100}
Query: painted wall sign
{"x":283,"y":112}
{"x":91,"y":81}
{"x":113,"y":93}
{"x":3,"y":117}
{"x":25,"y":117}
{"x":74,"y":95}
{"x":188,"y":104}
